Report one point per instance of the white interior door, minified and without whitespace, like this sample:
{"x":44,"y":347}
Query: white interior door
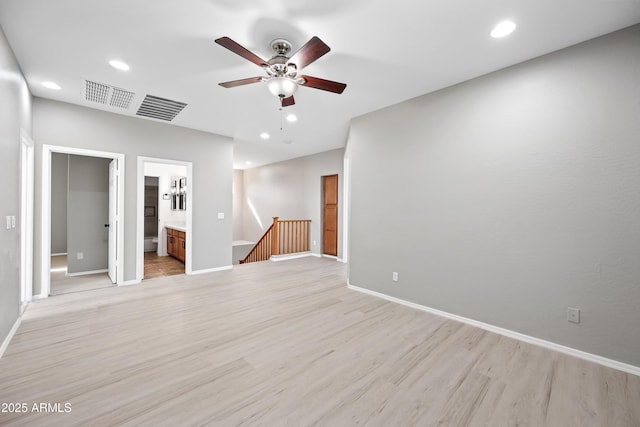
{"x":113,"y":220}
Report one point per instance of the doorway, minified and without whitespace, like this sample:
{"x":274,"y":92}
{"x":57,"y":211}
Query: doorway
{"x":172,"y":208}
{"x":109,"y":228}
{"x":330,"y":215}
{"x":82,"y":201}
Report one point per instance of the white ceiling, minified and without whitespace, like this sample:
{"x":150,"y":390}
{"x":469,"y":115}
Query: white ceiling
{"x":386,"y":52}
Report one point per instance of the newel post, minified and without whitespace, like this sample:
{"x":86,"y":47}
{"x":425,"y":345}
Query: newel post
{"x":275,"y":247}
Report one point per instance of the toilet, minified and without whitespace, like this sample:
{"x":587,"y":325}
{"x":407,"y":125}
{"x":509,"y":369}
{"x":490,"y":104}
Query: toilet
{"x":151,"y":244}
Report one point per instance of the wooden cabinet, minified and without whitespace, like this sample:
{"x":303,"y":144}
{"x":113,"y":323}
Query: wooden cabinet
{"x":176,"y":243}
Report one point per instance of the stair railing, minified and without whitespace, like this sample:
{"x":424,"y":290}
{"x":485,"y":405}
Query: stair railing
{"x":282,"y":237}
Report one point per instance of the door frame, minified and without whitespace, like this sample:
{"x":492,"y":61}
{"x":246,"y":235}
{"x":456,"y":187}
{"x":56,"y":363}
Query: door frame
{"x":27,"y":184}
{"x":188,"y":266}
{"x":45,"y":241}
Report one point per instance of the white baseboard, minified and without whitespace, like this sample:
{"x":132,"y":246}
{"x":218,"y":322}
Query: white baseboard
{"x":334,"y":257}
{"x":86,"y":273}
{"x":210,"y":270}
{"x":10,"y":335}
{"x":286,"y":257}
{"x":610,"y":363}
{"x":60,"y":254}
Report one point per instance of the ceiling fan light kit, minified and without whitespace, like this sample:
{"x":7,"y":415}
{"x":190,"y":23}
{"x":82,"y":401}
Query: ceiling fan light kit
{"x":282,"y":87}
{"x":282,"y":71}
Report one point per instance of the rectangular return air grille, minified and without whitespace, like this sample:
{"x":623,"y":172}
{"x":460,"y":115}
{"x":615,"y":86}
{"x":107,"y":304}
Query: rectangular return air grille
{"x":160,"y":108}
{"x":107,"y":95}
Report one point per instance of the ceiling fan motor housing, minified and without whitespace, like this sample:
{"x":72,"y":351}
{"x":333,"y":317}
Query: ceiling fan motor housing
{"x":281,"y":47}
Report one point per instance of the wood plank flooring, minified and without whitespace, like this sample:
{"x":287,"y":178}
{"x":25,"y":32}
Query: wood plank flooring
{"x":63,"y":284}
{"x":287,"y":343}
{"x":158,"y":266}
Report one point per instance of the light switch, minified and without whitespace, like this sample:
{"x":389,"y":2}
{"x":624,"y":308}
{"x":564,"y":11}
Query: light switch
{"x":8,"y":222}
{"x":13,"y":221}
{"x":220,"y":215}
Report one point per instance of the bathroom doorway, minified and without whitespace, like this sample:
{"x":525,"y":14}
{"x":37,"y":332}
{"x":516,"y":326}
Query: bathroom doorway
{"x":164,"y":238}
{"x":157,"y":262}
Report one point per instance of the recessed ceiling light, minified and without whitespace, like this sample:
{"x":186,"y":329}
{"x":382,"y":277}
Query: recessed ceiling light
{"x":120,"y":65}
{"x":247,"y":162}
{"x":51,"y":85}
{"x":264,"y":135}
{"x":504,"y":28}
{"x":292,"y":118}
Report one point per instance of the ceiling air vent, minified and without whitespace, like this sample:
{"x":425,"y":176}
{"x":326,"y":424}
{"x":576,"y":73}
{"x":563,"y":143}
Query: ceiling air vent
{"x":96,"y":92}
{"x":107,"y":95}
{"x":121,"y":98}
{"x":160,"y":108}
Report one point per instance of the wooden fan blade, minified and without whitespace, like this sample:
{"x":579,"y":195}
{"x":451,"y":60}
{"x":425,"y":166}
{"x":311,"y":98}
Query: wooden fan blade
{"x":241,"y":82}
{"x":240,"y":50}
{"x":308,"y":53}
{"x":288,"y":101}
{"x":328,"y":85}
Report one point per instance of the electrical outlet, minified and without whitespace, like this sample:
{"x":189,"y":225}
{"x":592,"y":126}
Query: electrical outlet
{"x":314,"y":243}
{"x":220,"y":215}
{"x":573,"y":315}
{"x":79,"y":255}
{"x":394,"y":276}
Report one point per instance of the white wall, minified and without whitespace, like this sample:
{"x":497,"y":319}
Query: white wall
{"x":62,"y":124}
{"x":15,"y":108}
{"x":238,"y":205}
{"x":164,"y":172}
{"x":509,"y":198}
{"x":291,"y":190}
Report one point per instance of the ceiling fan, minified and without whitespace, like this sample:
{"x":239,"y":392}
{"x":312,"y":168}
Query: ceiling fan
{"x":282,"y":71}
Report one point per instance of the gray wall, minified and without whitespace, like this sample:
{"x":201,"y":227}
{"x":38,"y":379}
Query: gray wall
{"x":59,"y":199}
{"x":292,"y":190}
{"x":15,"y":108}
{"x":58,"y":123}
{"x":238,"y":207}
{"x":88,"y":213}
{"x":510,"y":197}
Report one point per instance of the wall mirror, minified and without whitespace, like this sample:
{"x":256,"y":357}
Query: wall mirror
{"x":178,"y":193}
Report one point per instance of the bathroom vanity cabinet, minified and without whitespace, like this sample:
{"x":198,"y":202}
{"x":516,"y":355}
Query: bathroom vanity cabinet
{"x":176,"y":243}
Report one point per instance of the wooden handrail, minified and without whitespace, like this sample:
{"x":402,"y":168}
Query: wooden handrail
{"x":261,"y":251}
{"x":283,"y":237}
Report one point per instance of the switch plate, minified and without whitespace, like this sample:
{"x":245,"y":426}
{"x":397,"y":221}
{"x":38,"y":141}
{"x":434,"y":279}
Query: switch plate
{"x":220,"y":215}
{"x":394,"y":276}
{"x":573,"y":315}
{"x":315,"y":243}
{"x":79,"y":255}
{"x":8,"y":222}
{"x":13,"y":221}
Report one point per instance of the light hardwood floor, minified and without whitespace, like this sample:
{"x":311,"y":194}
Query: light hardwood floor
{"x":288,"y":344}
{"x":63,"y":284}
